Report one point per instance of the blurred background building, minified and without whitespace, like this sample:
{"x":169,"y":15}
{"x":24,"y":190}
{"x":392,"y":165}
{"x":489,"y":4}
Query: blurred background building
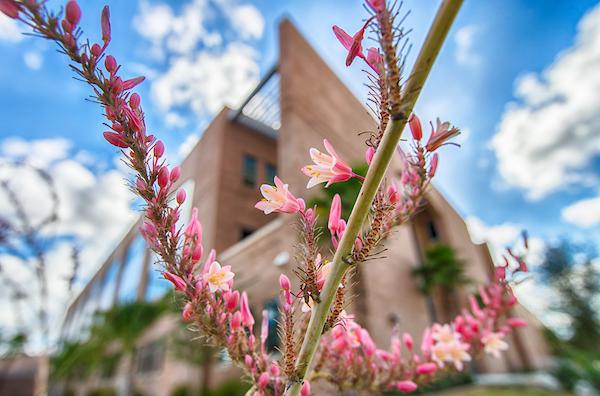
{"x":297,"y":104}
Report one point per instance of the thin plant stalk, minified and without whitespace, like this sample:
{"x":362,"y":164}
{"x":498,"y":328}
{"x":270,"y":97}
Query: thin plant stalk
{"x":342,"y":259}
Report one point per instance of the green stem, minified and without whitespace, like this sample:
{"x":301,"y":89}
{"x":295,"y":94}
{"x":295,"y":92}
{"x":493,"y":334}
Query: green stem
{"x":341,"y":261}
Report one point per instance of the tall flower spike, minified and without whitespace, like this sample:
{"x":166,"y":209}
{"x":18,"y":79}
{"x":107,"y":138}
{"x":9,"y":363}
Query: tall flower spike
{"x":328,"y":168}
{"x":278,"y":199}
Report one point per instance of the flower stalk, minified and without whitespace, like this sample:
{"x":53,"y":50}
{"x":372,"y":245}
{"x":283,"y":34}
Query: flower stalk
{"x":381,"y":160}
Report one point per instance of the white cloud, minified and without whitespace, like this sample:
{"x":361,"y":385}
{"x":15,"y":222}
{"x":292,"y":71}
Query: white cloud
{"x":546,"y":142}
{"x":464,"y":40}
{"x":205,"y":82}
{"x":501,"y":236}
{"x":94,"y":210}
{"x":247,"y":20}
{"x":584,"y":213}
{"x":204,"y":72}
{"x":33,"y":60}
{"x":10,"y":30}
{"x":168,"y":32}
{"x":188,"y":145}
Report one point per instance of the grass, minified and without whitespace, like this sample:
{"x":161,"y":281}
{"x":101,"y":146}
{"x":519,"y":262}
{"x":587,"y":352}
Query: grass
{"x":500,"y":391}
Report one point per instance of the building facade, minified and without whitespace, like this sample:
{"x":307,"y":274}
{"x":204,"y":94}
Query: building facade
{"x":298,"y":103}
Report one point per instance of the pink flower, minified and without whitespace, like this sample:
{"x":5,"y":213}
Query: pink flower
{"x":278,"y":199}
{"x":375,"y":60}
{"x":376,"y":5}
{"x":236,"y":321}
{"x":10,"y":8}
{"x":408,"y":341}
{"x":180,"y":197}
{"x":231,"y":300}
{"x":105,"y":22}
{"x":188,"y":312}
{"x":516,"y":322}
{"x":175,"y":280}
{"x":369,"y":154}
{"x":305,"y":390}
{"x":218,"y":277}
{"x":116,"y":139}
{"x":335,"y":214}
{"x":415,"y":127}
{"x":433,"y":165}
{"x":329,"y":168}
{"x":284,"y":282}
{"x":406,"y":386}
{"x":73,"y":12}
{"x":494,"y":344}
{"x":247,"y":317}
{"x":440,"y":135}
{"x":426,"y":368}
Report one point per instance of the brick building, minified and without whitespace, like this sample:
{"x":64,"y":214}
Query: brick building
{"x":298,"y":103}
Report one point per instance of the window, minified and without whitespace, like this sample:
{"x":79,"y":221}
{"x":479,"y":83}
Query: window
{"x":249,"y":171}
{"x":432,"y":231}
{"x":150,"y":357}
{"x":270,"y":172}
{"x":245,"y":232}
{"x":272,"y":310}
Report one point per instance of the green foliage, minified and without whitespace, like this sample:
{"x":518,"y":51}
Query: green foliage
{"x":103,"y":392}
{"x":440,"y":268}
{"x":348,"y":192}
{"x":123,"y":324}
{"x":232,"y":387}
{"x":570,"y":270}
{"x":182,"y":390}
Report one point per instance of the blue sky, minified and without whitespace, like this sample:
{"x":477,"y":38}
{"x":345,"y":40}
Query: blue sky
{"x":516,"y":75}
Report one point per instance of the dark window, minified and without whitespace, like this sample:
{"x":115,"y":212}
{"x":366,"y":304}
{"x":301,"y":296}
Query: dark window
{"x":272,"y":310}
{"x":245,"y":232}
{"x":150,"y":357}
{"x":432,"y":231}
{"x":249,"y":171}
{"x":270,"y":172}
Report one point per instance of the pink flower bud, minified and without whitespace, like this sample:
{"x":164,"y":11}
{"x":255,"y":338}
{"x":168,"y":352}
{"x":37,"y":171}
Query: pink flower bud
{"x":159,"y":149}
{"x":111,"y":64}
{"x":175,"y":174}
{"x":115,"y":139}
{"x":66,"y":25}
{"x":426,"y":368}
{"x":180,"y":197}
{"x":516,"y":322}
{"x":10,"y":8}
{"x":376,"y":5}
{"x":197,"y":252}
{"x":96,"y":50}
{"x":73,"y":12}
{"x":274,"y":369}
{"x":105,"y":22}
{"x":334,"y":214}
{"x":408,"y":341}
{"x":236,"y":321}
{"x":433,"y":165}
{"x":263,"y":381}
{"x":187,"y":312}
{"x":284,"y":282}
{"x":231,"y":300}
{"x":163,"y":177}
{"x":248,"y":361}
{"x":369,"y":154}
{"x":134,"y":101}
{"x":406,"y":386}
{"x":175,"y":280}
{"x":415,"y":127}
{"x":247,"y":317}
{"x":305,"y":390}
{"x":132,"y":82}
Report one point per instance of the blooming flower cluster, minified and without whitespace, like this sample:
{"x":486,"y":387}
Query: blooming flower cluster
{"x":347,"y":355}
